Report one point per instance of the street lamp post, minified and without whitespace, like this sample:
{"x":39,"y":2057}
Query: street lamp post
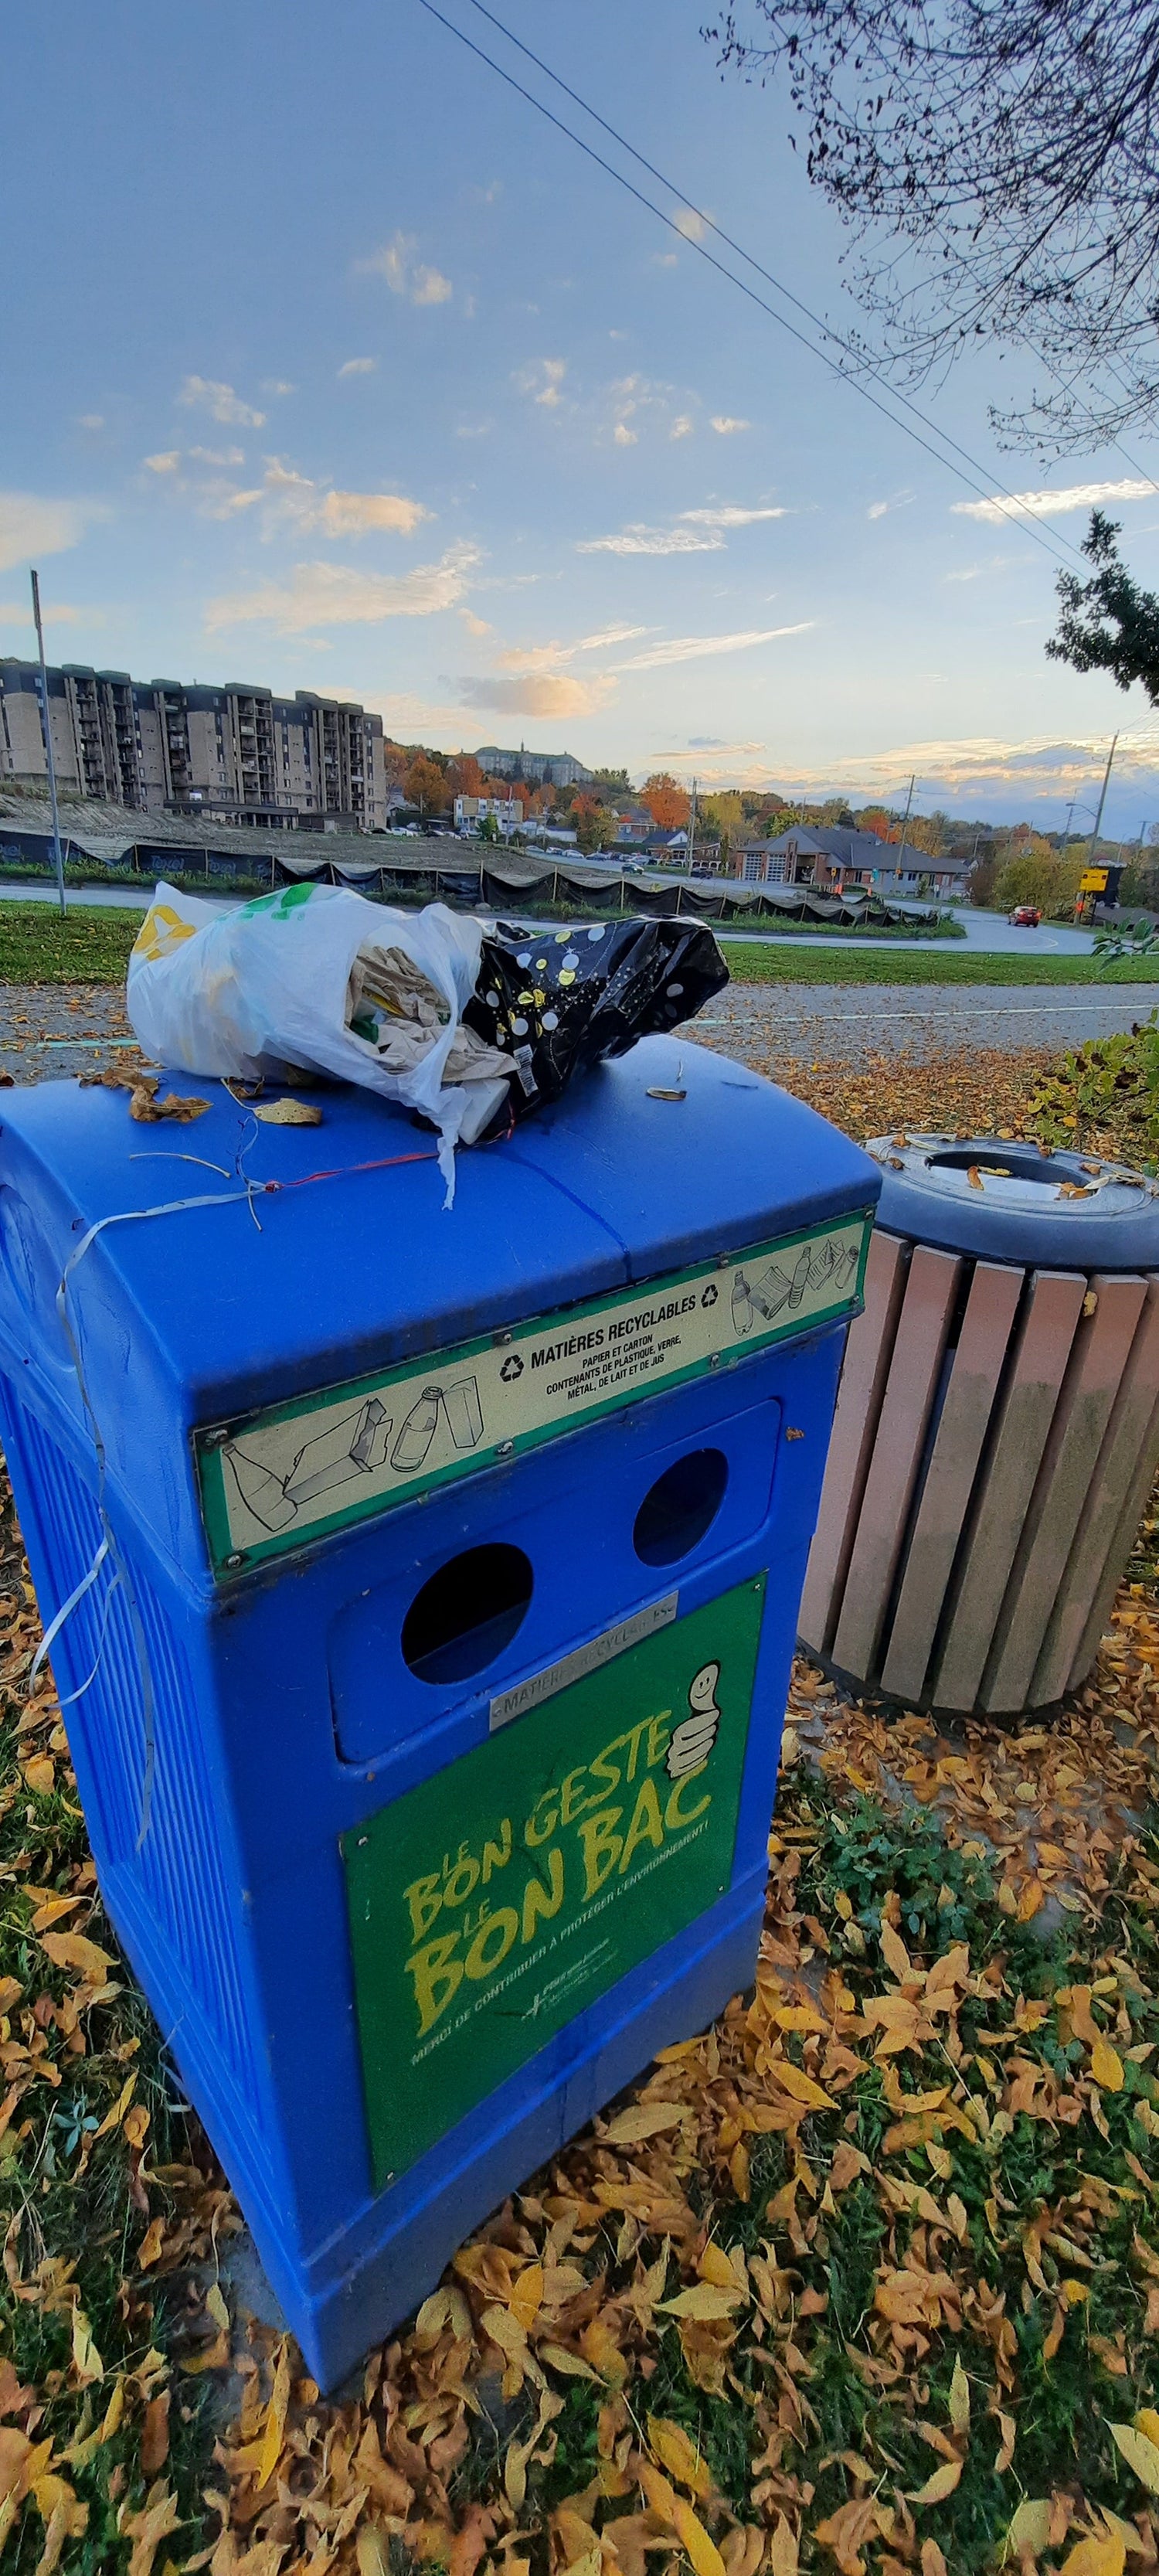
{"x":57,"y":855}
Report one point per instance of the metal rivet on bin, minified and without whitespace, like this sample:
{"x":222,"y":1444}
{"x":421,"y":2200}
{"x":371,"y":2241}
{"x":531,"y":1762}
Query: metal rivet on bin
{"x":714,"y":1362}
{"x":504,"y":1448}
{"x":236,"y":1559}
{"x":215,"y":1439}
{"x":499,"y":1338}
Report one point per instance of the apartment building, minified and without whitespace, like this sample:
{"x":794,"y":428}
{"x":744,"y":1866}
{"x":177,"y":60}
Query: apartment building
{"x":540,"y":768}
{"x":506,"y":811}
{"x":235,"y":751}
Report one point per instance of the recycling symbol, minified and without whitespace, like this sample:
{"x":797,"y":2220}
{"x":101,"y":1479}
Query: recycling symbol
{"x":512,"y":1368}
{"x":710,"y":1294}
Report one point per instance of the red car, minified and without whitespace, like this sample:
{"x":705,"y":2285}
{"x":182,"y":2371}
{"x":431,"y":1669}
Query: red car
{"x":1025,"y":916}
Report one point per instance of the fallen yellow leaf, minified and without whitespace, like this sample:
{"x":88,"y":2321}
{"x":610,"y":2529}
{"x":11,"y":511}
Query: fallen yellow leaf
{"x":1101,"y":2555}
{"x":71,"y":1950}
{"x":643,"y":2120}
{"x":1107,"y":2067}
{"x":704,"y":2300}
{"x":679,"y":2456}
{"x":703,"y":2552}
{"x":939,"y":2485}
{"x":794,"y":2081}
{"x":288,"y":1113}
{"x":1140,"y":2454}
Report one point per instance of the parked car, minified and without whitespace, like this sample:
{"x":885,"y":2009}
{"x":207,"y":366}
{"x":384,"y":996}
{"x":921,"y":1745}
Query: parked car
{"x":1025,"y":916}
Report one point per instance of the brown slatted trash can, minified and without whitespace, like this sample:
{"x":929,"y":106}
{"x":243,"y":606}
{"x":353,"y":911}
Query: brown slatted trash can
{"x":997,"y":1427}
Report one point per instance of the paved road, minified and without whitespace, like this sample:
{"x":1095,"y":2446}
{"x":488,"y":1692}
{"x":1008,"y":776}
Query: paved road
{"x":65,"y":1028}
{"x":47,"y":1030}
{"x":845,"y":1023}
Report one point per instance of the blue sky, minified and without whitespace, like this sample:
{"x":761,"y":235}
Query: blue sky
{"x":328,"y":363}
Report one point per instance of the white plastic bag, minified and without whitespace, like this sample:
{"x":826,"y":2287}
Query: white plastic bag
{"x":280,"y":982}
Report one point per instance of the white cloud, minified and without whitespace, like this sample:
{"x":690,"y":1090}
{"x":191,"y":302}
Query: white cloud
{"x":354,"y":514}
{"x":547,"y":657}
{"x":323,"y":594}
{"x":694,"y":648}
{"x":475,"y":625}
{"x":726,"y":426}
{"x":31,"y":527}
{"x":357,"y":367}
{"x":730,"y":517}
{"x":551,"y":694}
{"x":404,"y":275}
{"x":665,"y":259}
{"x":542,"y":379}
{"x":18,"y":612}
{"x":877,"y":510}
{"x":683,"y":425}
{"x":639,"y":540}
{"x":90,"y":420}
{"x":977,"y":572}
{"x":288,"y":499}
{"x":691,"y":224}
{"x":1037,"y":505}
{"x":623,"y":436}
{"x":277,"y":386}
{"x":220,"y":401}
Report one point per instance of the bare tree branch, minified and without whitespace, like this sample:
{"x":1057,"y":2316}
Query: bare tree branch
{"x":1012,"y":148}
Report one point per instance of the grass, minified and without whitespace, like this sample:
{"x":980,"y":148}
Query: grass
{"x":773,"y":962}
{"x":91,"y":944}
{"x":88,"y":945}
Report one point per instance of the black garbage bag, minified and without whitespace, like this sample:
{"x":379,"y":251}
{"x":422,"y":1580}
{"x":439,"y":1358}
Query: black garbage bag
{"x":562,"y":1000}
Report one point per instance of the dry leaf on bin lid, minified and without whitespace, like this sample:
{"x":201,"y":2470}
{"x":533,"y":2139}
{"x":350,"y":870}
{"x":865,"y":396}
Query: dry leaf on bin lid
{"x":287,"y":1113}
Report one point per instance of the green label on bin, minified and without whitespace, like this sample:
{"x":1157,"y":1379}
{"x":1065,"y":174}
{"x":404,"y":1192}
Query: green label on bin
{"x":507,"y":1893}
{"x":320,"y":1462}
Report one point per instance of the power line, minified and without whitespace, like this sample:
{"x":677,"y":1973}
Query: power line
{"x":817,"y":319}
{"x":1031,"y":528}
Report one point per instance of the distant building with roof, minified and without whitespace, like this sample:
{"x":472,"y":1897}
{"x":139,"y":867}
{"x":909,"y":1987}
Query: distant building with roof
{"x":829,"y":856}
{"x":232,"y":751}
{"x":540,"y":768}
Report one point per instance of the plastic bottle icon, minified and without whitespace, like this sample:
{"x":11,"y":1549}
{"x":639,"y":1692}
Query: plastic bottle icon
{"x":410,"y":1449}
{"x":742,"y":1304}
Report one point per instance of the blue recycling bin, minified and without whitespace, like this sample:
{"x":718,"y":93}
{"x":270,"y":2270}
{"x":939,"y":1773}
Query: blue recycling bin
{"x":428,"y":1688}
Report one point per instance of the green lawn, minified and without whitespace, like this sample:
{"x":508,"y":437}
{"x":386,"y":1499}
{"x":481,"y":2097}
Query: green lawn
{"x":776,"y":962}
{"x":89,"y":945}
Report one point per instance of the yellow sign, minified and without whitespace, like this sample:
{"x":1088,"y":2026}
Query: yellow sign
{"x":1093,"y":881}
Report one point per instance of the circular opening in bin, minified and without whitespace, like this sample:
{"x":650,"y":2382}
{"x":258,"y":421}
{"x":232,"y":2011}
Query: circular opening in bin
{"x":1013,"y":1163}
{"x":467,"y":1613}
{"x":680,"y":1507}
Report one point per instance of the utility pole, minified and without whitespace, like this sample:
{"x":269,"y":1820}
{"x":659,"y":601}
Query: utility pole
{"x":908,"y":802}
{"x":691,"y":826}
{"x":1102,"y":801}
{"x":1069,"y":819}
{"x":57,"y":856}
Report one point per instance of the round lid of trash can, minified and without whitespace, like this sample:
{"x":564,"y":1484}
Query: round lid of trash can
{"x":1010,"y":1200}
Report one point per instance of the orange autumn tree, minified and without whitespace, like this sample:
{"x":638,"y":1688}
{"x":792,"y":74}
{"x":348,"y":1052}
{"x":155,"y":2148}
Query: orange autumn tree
{"x":426,"y":786}
{"x":666,"y":801}
{"x":464,"y":776}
